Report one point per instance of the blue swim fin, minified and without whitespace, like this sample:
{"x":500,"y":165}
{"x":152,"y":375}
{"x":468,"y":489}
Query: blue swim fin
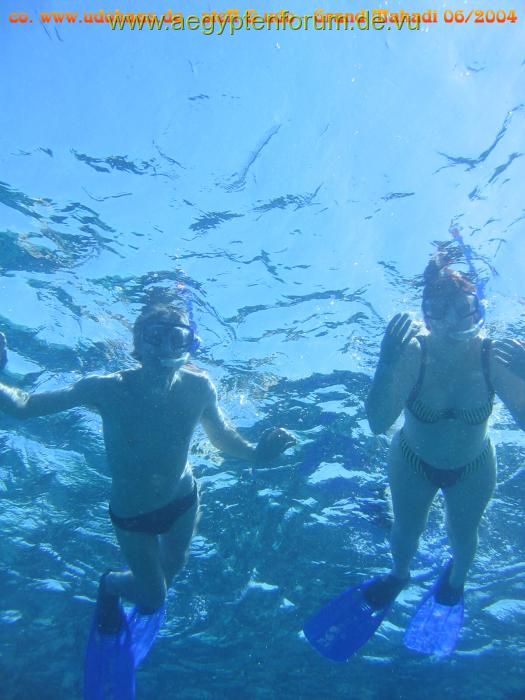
{"x":435,"y":627}
{"x":144,"y":630}
{"x":348,"y":621}
{"x":109,"y":672}
{"x":117,"y":645}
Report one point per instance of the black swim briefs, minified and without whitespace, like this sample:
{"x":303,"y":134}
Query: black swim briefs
{"x":159,"y":521}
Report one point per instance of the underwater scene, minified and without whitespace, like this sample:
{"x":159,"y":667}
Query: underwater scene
{"x":261,"y":272}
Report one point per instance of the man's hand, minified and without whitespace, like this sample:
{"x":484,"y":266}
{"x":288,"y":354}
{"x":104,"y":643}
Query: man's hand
{"x":398,"y":335}
{"x":273,"y":442}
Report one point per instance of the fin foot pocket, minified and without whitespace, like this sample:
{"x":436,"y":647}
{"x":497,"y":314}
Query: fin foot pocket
{"x":384,"y":590}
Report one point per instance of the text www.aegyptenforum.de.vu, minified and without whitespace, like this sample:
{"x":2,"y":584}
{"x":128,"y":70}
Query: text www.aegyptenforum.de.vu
{"x":232,"y":20}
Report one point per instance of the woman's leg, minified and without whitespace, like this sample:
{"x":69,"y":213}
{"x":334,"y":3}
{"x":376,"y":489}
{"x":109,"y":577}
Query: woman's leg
{"x":465,"y":502}
{"x":412,"y":495}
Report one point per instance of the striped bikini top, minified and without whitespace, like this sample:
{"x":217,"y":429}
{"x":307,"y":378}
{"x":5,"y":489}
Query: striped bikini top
{"x":469,"y":416}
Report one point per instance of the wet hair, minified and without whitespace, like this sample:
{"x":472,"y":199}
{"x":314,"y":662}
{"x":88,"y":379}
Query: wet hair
{"x":440,"y":281}
{"x":158,"y":313}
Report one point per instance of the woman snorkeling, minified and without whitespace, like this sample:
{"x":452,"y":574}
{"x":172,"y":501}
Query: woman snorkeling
{"x":444,"y":376}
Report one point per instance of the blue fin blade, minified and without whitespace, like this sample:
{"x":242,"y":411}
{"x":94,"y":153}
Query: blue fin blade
{"x":109,"y":672}
{"x":144,"y":630}
{"x":435,"y":628}
{"x":111,"y":659}
{"x":342,"y":626}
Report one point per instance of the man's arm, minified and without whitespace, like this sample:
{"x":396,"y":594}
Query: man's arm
{"x":224,"y":436}
{"x":20,"y":404}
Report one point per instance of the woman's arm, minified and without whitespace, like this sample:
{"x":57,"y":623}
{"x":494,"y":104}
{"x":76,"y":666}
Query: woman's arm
{"x":508,"y":376}
{"x":3,"y":351}
{"x":395,"y":374}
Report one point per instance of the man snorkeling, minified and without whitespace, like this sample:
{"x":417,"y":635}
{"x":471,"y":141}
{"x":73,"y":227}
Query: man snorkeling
{"x":149,"y":414}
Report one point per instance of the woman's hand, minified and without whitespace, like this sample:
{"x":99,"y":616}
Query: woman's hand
{"x":273,"y":442}
{"x":511,"y":354}
{"x":398,"y":335}
{"x":3,"y":351}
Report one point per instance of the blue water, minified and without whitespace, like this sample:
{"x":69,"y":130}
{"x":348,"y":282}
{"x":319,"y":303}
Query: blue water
{"x":294,"y":182}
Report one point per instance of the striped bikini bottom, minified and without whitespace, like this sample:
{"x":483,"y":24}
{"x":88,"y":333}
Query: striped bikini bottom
{"x":444,"y":478}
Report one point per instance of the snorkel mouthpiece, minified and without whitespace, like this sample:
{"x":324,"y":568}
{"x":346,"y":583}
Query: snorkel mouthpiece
{"x":175,"y":362}
{"x":473,"y":331}
{"x":469,"y":333}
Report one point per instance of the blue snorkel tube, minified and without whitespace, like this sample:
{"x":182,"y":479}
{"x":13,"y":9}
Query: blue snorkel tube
{"x":195,"y":341}
{"x":467,"y":251}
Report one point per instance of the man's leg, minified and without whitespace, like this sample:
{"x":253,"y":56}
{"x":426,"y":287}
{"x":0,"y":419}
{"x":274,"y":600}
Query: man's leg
{"x":145,"y":584}
{"x":175,"y":543}
{"x":154,"y":561}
